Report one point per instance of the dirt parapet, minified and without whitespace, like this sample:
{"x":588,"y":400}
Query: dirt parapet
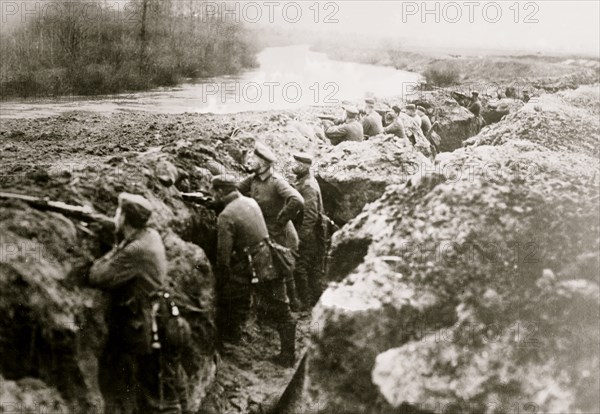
{"x":494,"y":111}
{"x":353,"y":174}
{"x":470,"y":293}
{"x":455,"y":123}
{"x":55,"y":325}
{"x":566,"y":121}
{"x":30,"y":395}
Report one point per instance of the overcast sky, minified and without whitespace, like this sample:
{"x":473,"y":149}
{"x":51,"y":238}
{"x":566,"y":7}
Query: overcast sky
{"x":556,"y":26}
{"x":545,"y":26}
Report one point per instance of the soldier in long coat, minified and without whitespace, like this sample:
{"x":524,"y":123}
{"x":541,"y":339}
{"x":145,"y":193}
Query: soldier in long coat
{"x":244,"y":261}
{"x":279,"y":202}
{"x":309,"y":269}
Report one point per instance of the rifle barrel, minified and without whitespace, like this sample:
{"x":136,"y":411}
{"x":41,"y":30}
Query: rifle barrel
{"x":84,"y":213}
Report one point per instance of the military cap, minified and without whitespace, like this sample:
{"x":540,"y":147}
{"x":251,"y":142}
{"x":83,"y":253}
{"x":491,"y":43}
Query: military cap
{"x":410,"y":107}
{"x":137,"y":209}
{"x":264,"y":152}
{"x":224,"y":180}
{"x":396,"y":109}
{"x":351,"y":109}
{"x":370,"y":101}
{"x":420,"y":108}
{"x":303,"y":157}
{"x":381,"y":107}
{"x":476,"y":93}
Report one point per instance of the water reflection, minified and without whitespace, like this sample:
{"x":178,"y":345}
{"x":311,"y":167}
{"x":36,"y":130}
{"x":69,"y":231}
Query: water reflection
{"x":288,"y":77}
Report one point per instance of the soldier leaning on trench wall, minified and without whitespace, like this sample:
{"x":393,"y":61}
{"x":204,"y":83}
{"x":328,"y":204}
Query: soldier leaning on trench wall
{"x":133,"y":271}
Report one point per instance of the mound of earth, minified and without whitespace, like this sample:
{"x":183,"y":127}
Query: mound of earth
{"x":353,"y":174}
{"x":30,"y":395}
{"x":474,"y":292}
{"x":55,"y":328}
{"x":583,"y":76}
{"x":455,"y":124}
{"x":495,"y":110}
{"x":566,"y":121}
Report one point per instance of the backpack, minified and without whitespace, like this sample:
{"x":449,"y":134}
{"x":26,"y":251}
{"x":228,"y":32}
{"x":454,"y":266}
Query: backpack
{"x":261,"y":262}
{"x":170,"y":330}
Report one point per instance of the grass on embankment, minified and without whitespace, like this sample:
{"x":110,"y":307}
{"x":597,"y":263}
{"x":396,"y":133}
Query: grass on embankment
{"x":446,"y":70}
{"x":153,"y":43}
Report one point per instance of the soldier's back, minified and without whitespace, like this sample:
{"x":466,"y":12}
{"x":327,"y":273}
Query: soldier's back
{"x":355,"y":131}
{"x":152,"y":249}
{"x":246,"y":216}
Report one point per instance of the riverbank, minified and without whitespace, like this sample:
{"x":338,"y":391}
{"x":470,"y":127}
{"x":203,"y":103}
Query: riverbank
{"x":290,"y":77}
{"x":444,"y":69}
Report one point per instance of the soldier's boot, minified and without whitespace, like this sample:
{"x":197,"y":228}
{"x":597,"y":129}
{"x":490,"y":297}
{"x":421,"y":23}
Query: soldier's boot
{"x":303,"y":293}
{"x":287,"y":336}
{"x":290,"y":287}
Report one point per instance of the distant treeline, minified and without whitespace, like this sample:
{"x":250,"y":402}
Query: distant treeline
{"x":98,"y":48}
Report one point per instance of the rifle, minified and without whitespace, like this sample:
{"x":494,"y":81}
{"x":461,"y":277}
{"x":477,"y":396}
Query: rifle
{"x":327,"y":117}
{"x":199,"y":197}
{"x":83,"y":213}
{"x":202,"y":198}
{"x":103,"y":226}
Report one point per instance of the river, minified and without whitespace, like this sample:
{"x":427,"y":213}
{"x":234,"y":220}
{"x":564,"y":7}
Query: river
{"x":287,"y":77}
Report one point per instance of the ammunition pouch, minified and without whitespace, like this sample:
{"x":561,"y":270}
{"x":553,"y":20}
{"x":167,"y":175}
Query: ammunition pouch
{"x":255,"y":261}
{"x":325,"y":228}
{"x":284,"y":260}
{"x":170,"y":330}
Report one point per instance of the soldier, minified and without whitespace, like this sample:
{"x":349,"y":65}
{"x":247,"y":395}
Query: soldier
{"x":394,"y":125}
{"x":133,"y":271}
{"x":411,"y":122}
{"x":348,"y":130}
{"x":372,"y":124}
{"x":279,"y":202}
{"x":425,"y":121}
{"x":475,"y":106}
{"x":382,"y":109}
{"x":244,"y":260}
{"x":309,"y":269}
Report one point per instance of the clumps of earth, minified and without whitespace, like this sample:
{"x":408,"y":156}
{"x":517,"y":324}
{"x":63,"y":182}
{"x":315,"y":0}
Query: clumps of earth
{"x":472,"y":287}
{"x":567,"y":121}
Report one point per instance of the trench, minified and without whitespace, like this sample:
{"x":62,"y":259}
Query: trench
{"x":346,"y":257}
{"x":59,"y":370}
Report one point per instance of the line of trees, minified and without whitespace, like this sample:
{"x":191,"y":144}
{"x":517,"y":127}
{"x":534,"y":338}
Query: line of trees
{"x":87,"y":47}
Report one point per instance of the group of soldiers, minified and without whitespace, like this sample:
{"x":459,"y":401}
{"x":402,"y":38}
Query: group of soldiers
{"x":374,"y":120}
{"x":259,"y":213}
{"x":260,"y":210}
